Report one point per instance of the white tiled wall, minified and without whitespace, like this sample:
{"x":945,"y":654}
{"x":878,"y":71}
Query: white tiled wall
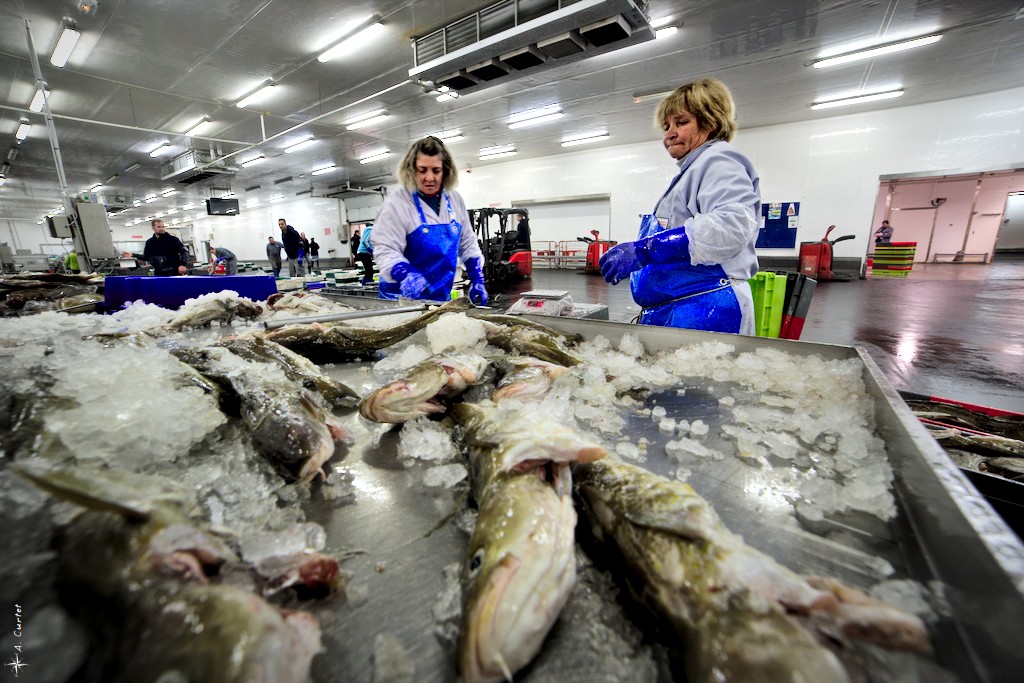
{"x":832,"y":165}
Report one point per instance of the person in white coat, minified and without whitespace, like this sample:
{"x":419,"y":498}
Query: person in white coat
{"x":695,"y":252}
{"x":423,"y":231}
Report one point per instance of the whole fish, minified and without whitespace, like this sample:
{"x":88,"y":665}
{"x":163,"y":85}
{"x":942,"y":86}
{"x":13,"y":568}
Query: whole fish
{"x":223,"y":309}
{"x":520,"y":565}
{"x":333,"y":343}
{"x":151,"y":627}
{"x":519,"y":321}
{"x":985,"y":444}
{"x":741,"y":615}
{"x":528,"y":341}
{"x":421,"y":390}
{"x":295,"y":366}
{"x":527,"y":378}
{"x":287,"y":424}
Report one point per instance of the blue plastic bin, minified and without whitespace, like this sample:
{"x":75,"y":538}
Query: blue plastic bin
{"x":171,"y":292}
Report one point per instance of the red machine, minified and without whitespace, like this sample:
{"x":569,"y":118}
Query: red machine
{"x":816,"y":257}
{"x":596,"y":249}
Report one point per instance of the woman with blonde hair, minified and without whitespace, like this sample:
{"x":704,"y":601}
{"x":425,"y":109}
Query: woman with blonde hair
{"x":695,"y":251}
{"x":423,"y":231}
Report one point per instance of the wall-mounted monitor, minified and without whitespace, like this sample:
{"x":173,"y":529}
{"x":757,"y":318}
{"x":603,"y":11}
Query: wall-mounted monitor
{"x":221,"y":207}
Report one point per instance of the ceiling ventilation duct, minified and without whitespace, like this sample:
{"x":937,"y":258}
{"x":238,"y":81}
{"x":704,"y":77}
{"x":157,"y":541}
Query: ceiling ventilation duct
{"x":346,"y":190}
{"x":191,"y":167}
{"x":514,"y":38}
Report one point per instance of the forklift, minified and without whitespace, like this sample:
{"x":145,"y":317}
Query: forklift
{"x":507,"y":254}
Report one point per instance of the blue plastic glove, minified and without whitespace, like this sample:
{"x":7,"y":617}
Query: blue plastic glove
{"x":301,"y":254}
{"x":619,"y":262}
{"x":413,"y":283}
{"x":477,"y":291}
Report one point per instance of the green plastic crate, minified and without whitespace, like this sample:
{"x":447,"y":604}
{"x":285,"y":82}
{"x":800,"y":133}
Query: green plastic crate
{"x":769,"y":298}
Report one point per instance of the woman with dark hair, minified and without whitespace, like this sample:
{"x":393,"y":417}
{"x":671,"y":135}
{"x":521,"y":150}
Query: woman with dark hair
{"x":695,"y":252}
{"x":423,"y":231}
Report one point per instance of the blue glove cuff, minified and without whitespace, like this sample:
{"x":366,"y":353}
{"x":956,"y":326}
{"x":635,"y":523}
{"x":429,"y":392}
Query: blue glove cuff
{"x":475,"y":269}
{"x":668,"y":246}
{"x":400,"y":270}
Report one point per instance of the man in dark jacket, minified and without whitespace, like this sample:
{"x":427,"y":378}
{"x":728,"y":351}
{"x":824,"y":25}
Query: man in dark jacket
{"x":314,"y":254}
{"x":165,"y":252}
{"x":292,"y":247}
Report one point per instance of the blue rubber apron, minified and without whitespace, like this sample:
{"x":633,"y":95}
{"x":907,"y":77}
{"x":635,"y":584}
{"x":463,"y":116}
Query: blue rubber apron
{"x":684,"y":294}
{"x":433,"y":251}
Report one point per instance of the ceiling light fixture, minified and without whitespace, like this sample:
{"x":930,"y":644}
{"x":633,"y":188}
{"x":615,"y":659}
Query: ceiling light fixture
{"x":163,"y":148}
{"x":323,"y":169}
{"x":367,"y":119}
{"x":300,"y":145}
{"x":448,"y":136}
{"x":877,"y":51}
{"x":65,"y":45}
{"x":112,"y":178}
{"x":169,"y":191}
{"x":136,"y":202}
{"x":666,"y":32}
{"x":197,"y":127}
{"x":532,"y":117}
{"x":262,"y":91}
{"x":134,"y":167}
{"x":95,"y":187}
{"x":37,"y":101}
{"x":662,"y":21}
{"x":447,"y":96}
{"x":255,"y":160}
{"x":640,"y":98}
{"x":276,"y":198}
{"x":227,"y":195}
{"x":24,"y":127}
{"x":3,"y":179}
{"x":358,"y":38}
{"x":846,"y":101}
{"x":585,"y":139}
{"x":188,"y":207}
{"x":375,"y":157}
{"x":151,"y":198}
{"x":171,"y":212}
{"x":497,"y":152}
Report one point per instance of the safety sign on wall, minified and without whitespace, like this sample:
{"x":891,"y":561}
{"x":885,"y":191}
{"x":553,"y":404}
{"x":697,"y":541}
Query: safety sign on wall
{"x":779,"y":221}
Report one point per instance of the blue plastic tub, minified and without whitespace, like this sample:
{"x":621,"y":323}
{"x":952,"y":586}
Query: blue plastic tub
{"x":171,"y":292}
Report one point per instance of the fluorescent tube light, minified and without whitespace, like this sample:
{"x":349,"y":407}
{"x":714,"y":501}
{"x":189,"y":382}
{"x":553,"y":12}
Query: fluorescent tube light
{"x":134,"y":167}
{"x":255,"y":160}
{"x":300,"y":145}
{"x":252,"y":201}
{"x":535,"y":113}
{"x":171,"y":212}
{"x":496,"y":149}
{"x":366,"y":119}
{"x":662,"y":21}
{"x":665,"y":32}
{"x":354,"y":40}
{"x":585,"y":140}
{"x":447,"y":96}
{"x":448,"y":136}
{"x":3,"y":179}
{"x":260,"y":93}
{"x":136,"y":202}
{"x":276,"y":198}
{"x":877,"y":51}
{"x":547,"y":118}
{"x":164,"y":148}
{"x":23,"y":129}
{"x":498,"y":155}
{"x":175,"y":221}
{"x":647,"y":97}
{"x":112,"y":178}
{"x":829,"y":104}
{"x":227,"y":195}
{"x":375,"y":157}
{"x":169,"y":191}
{"x":65,"y":46}
{"x":37,"y":101}
{"x":322,"y":170}
{"x":197,"y":127}
{"x":151,"y":198}
{"x":188,"y":207}
{"x":159,"y":214}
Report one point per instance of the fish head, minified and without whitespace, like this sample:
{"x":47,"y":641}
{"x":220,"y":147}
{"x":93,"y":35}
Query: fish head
{"x":464,"y":370}
{"x":520,"y":569}
{"x":412,"y":396}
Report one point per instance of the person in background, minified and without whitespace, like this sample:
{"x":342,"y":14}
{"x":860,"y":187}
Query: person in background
{"x":274,"y":256}
{"x":695,"y":252}
{"x":884,"y":234}
{"x":314,"y":254}
{"x":225,"y":256}
{"x":364,"y":254}
{"x":164,"y":252}
{"x":423,"y":230}
{"x":292,"y":248}
{"x":71,"y":262}
{"x":353,"y":245}
{"x":305,"y":247}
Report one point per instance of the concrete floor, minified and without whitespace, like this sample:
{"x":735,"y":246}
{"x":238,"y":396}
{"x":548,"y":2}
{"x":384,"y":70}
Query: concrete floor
{"x":950,"y":330}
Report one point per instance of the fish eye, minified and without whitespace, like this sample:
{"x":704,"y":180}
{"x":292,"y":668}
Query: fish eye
{"x":476,"y":561}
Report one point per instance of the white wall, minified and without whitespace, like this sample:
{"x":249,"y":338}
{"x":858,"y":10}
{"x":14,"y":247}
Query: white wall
{"x":832,"y":166}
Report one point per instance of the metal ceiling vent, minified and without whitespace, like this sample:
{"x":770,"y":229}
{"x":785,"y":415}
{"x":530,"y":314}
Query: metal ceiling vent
{"x":513,"y":38}
{"x":187,"y":168}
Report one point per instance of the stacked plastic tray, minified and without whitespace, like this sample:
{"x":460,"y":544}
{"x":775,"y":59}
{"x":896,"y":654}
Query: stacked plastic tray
{"x":893,"y":260}
{"x":781,"y":302}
